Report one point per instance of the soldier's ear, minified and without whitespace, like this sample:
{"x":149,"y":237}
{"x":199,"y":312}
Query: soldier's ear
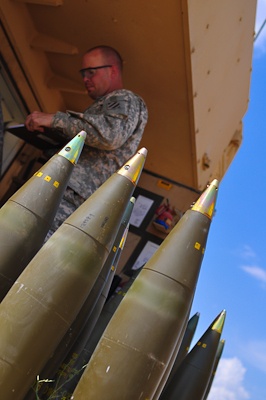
{"x":114,"y":71}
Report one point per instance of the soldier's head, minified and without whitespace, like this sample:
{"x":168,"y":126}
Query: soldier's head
{"x":101,"y":71}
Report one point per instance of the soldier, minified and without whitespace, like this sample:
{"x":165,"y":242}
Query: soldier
{"x":114,"y":124}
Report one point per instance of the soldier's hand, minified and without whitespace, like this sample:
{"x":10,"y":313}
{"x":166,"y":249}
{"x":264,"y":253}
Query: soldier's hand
{"x":37,"y":120}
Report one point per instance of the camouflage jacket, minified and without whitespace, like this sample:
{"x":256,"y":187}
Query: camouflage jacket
{"x":114,"y":124}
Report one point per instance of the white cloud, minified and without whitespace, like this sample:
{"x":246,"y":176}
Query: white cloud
{"x":256,"y":272}
{"x":247,"y":252}
{"x":251,"y":267}
{"x":228,"y":383}
{"x":260,"y":42}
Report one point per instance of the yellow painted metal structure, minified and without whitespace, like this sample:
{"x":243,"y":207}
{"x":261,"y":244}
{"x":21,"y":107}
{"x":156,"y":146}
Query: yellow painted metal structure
{"x":189,"y":59}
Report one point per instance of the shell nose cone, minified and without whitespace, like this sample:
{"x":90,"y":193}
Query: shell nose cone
{"x":219,"y":323}
{"x":133,"y":168}
{"x":72,"y":149}
{"x":215,"y":183}
{"x":206,"y":202}
{"x":83,"y":134}
{"x":143,"y":151}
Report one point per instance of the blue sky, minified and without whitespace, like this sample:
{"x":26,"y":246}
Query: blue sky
{"x":233,"y":273}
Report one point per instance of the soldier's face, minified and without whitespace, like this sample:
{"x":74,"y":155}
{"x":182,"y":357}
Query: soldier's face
{"x":98,"y":82}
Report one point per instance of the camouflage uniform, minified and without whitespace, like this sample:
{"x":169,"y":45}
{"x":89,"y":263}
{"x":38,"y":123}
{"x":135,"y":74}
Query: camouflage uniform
{"x":114,"y":124}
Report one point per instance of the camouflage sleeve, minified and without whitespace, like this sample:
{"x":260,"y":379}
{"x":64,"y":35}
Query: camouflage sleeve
{"x":109,"y":125}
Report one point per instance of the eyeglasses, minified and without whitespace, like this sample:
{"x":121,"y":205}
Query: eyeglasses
{"x":91,"y":71}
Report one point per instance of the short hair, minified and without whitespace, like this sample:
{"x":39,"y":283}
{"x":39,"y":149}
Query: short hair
{"x":110,"y":53}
